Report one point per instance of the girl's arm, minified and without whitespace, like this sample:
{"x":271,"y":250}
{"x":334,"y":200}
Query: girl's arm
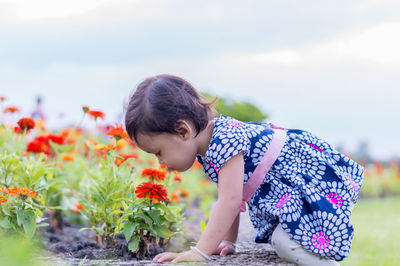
{"x":223,"y":215}
{"x":226,"y":210}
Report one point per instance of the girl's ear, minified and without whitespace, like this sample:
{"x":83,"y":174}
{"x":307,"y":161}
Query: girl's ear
{"x":183,"y":129}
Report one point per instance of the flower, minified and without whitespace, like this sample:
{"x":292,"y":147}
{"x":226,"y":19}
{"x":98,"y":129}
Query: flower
{"x":11,"y":109}
{"x":2,"y":199}
{"x":2,"y":98}
{"x":182,"y":192}
{"x":96,"y":114}
{"x":178,"y":178}
{"x":174,"y":197}
{"x":85,"y":109}
{"x":15,"y":191}
{"x":118,"y":132}
{"x":55,"y":138}
{"x":67,"y":158}
{"x":18,"y":130}
{"x":38,"y":146}
{"x":149,"y":190}
{"x":153,"y":174}
{"x":26,"y":123}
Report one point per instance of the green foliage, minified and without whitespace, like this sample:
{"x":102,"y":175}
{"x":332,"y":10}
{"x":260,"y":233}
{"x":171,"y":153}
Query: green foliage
{"x":243,"y":111}
{"x":150,"y":223}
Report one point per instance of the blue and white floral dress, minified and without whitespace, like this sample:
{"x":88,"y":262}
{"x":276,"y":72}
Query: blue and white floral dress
{"x":308,"y":190}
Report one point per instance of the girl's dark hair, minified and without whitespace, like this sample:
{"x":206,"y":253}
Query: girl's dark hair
{"x":160,"y":101}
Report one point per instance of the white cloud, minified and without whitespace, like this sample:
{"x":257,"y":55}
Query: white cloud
{"x":44,"y":9}
{"x":378,"y":44}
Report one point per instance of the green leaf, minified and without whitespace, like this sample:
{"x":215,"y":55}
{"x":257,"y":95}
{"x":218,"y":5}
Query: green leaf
{"x":128,"y":230}
{"x":5,"y":223}
{"x":39,"y":173}
{"x":148,"y":220}
{"x":20,"y":217}
{"x":134,"y":245}
{"x":162,"y":230}
{"x":29,"y":223}
{"x":61,"y":148}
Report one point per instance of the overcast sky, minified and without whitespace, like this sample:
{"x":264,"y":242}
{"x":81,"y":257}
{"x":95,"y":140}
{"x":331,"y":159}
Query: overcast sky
{"x":330,"y":67}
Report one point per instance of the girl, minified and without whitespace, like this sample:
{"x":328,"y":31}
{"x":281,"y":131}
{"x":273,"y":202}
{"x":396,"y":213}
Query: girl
{"x":299,"y":189}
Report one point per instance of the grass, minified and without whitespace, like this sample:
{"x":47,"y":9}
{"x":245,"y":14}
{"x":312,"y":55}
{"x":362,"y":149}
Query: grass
{"x":376,"y":232}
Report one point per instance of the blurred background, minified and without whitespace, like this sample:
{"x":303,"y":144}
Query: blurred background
{"x":330,"y":67}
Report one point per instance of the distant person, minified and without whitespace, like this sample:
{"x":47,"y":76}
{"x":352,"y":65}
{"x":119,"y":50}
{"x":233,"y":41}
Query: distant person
{"x":37,"y":112}
{"x":299,"y":189}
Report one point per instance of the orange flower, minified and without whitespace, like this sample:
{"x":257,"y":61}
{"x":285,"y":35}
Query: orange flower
{"x":96,"y":114}
{"x":27,"y":192}
{"x":67,"y":158}
{"x":13,"y":192}
{"x":149,"y":190}
{"x":118,"y":132}
{"x":174,"y":197}
{"x":183,"y":193}
{"x":2,"y":199}
{"x":178,"y":178}
{"x":118,"y":161}
{"x":2,"y":98}
{"x":128,"y":156}
{"x":153,"y":174}
{"x":26,"y":123}
{"x":85,"y":109}
{"x":11,"y":109}
{"x":79,"y":206}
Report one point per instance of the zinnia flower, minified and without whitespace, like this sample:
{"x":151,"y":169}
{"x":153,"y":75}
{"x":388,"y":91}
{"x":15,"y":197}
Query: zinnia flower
{"x":149,"y":190}
{"x":38,"y":146}
{"x":11,"y":109}
{"x":26,"y":123}
{"x":18,"y":130}
{"x":15,"y":191}
{"x":178,"y":178}
{"x":55,"y":138}
{"x":153,"y":174}
{"x":2,"y":199}
{"x":118,"y":132}
{"x":96,"y":114}
{"x":67,"y":158}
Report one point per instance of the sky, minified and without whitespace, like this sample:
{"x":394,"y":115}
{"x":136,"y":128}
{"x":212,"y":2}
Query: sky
{"x":329,"y":67}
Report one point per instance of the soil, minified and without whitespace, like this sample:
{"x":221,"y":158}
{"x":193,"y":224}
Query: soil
{"x":79,"y":248}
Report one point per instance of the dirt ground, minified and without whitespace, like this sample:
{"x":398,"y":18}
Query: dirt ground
{"x":247,"y":253}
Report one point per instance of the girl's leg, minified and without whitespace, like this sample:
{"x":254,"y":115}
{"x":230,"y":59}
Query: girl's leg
{"x":292,"y":251}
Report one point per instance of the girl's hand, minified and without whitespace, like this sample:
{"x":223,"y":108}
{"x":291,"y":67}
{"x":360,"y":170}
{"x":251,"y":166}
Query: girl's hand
{"x":178,"y":257}
{"x":225,"y":248}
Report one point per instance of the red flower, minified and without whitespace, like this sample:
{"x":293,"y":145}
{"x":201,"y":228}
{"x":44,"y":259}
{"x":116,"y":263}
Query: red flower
{"x":153,"y":173}
{"x":178,"y":178}
{"x":118,"y":132}
{"x":149,"y":190}
{"x":96,"y":114}
{"x":38,"y":146}
{"x":26,"y":123}
{"x":18,"y":130}
{"x":55,"y":138}
{"x":11,"y":109}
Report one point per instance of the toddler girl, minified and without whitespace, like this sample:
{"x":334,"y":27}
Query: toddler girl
{"x":299,"y":189}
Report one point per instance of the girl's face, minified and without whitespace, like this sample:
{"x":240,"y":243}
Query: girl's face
{"x":176,"y":151}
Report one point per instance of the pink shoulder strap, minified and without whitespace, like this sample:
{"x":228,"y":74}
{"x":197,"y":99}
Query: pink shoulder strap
{"x":270,"y":156}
